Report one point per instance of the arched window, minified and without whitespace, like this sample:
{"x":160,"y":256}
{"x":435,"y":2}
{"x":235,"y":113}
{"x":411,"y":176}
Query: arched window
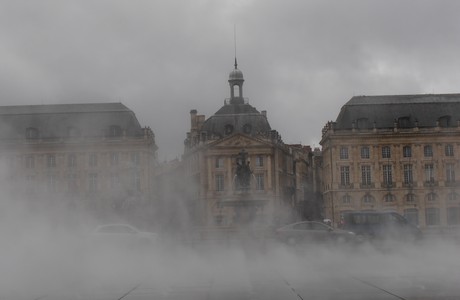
{"x":431,"y":197}
{"x":389,"y":198}
{"x":367,"y":199}
{"x":346,"y":199}
{"x":236,"y":91}
{"x":411,"y":198}
{"x":452,"y":196}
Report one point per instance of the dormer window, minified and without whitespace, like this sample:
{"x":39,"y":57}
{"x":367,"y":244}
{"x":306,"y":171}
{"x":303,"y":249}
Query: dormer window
{"x":114,"y":131}
{"x":444,"y":121}
{"x":228,"y":129}
{"x":362,"y":123}
{"x":404,"y":122}
{"x":31,"y":133}
{"x":73,"y":132}
{"x":247,"y":128}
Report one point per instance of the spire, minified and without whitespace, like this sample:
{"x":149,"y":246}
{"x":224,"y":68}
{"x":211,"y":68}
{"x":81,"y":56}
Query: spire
{"x":236,"y":80}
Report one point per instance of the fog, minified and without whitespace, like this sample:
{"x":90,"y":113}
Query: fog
{"x":44,"y":256}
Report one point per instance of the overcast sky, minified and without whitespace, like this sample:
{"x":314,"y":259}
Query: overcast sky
{"x":301,"y":60}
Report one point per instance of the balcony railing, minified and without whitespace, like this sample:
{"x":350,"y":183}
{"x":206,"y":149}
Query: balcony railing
{"x":346,"y":186}
{"x":388,"y":184}
{"x":367,"y":185}
{"x":430,"y":183}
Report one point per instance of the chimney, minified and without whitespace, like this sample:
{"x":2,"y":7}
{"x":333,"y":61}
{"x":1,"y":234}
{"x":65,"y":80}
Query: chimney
{"x":193,"y":125}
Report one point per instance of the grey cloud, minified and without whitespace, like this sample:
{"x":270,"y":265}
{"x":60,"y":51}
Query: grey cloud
{"x":302,"y":59}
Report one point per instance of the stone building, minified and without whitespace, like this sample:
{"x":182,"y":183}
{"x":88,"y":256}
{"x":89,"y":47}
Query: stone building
{"x":238,"y":169}
{"x":397,"y":153}
{"x":94,"y":157}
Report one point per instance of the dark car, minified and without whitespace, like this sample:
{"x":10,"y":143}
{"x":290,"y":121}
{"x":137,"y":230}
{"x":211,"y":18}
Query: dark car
{"x":122,"y":235}
{"x":380,"y":226}
{"x":313,"y":232}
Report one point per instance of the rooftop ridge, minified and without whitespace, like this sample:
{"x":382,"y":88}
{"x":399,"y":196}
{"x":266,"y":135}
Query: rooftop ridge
{"x":403,"y":99}
{"x":63,"y":108}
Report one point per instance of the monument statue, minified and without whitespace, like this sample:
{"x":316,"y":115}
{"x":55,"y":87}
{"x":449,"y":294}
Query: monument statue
{"x":243,"y":172}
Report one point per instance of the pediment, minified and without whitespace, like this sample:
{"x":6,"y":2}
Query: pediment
{"x":241,"y":141}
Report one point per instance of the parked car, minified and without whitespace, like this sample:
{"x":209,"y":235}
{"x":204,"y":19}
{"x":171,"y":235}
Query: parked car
{"x":373,"y":225}
{"x":313,"y":232}
{"x":122,"y":235}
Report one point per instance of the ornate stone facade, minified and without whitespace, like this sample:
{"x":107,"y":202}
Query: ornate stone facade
{"x":93,"y":157}
{"x":240,"y":171}
{"x":397,"y":153}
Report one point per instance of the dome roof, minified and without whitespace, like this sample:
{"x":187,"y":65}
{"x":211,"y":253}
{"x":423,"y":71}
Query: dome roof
{"x":237,"y":118}
{"x":236,"y":74}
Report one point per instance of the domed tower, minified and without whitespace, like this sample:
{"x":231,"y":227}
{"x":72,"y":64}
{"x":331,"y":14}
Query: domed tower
{"x":237,"y":115}
{"x":235,"y":79}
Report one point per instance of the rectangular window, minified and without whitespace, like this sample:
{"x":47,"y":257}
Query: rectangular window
{"x":30,"y":162}
{"x":114,"y":158}
{"x":449,"y":150}
{"x":51,"y":183}
{"x":72,"y":183}
{"x":135,"y":158}
{"x":408,"y":176}
{"x":114,"y":181}
{"x":259,"y":161}
{"x":92,"y":182}
{"x":387,"y":175}
{"x":343,"y":152}
{"x":51,"y":161}
{"x":219,"y":182}
{"x":219,"y":162}
{"x":429,"y":173}
{"x":366,"y":175}
{"x":386,"y":152}
{"x":407,"y":151}
{"x":365,"y":152}
{"x":428,"y":151}
{"x":260,"y":184}
{"x":92,"y":160}
{"x":72,"y":161}
{"x":450,"y":172}
{"x":432,"y":216}
{"x":345,"y":175}
{"x":137,"y":181}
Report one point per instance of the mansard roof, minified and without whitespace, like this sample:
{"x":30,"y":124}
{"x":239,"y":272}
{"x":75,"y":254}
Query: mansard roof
{"x":58,"y":120}
{"x":426,"y":110}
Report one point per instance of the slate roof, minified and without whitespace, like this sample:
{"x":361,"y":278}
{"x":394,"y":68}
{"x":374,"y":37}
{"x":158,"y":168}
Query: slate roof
{"x":406,"y":110}
{"x":54,"y":121}
{"x":240,"y":117}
